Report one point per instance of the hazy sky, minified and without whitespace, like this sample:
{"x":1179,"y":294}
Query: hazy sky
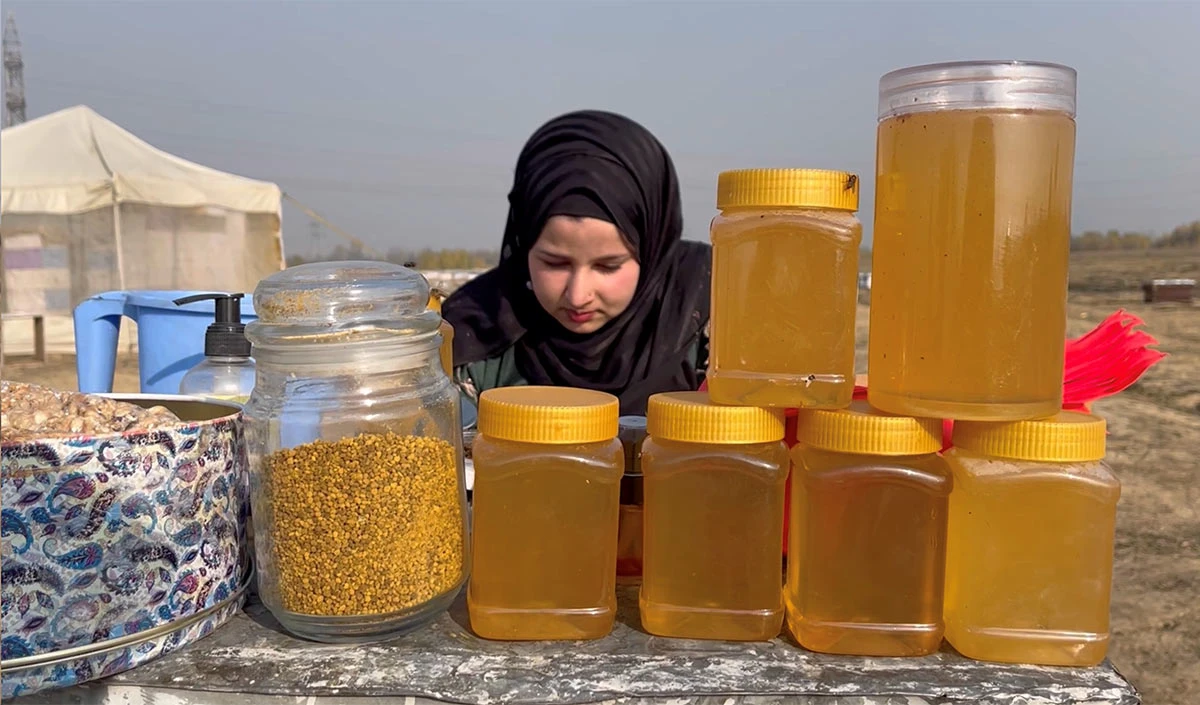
{"x":401,"y":121}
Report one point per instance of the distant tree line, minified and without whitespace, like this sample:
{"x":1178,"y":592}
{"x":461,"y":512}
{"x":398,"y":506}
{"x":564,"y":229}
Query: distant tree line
{"x":1187,"y":235}
{"x":423,"y":259}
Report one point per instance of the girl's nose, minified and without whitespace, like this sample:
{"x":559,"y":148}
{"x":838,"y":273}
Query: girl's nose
{"x":579,"y":290}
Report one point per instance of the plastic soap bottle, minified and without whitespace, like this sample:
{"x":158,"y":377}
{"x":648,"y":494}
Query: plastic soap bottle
{"x":227,"y":372}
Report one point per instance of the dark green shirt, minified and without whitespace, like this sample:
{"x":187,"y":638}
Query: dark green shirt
{"x":501,"y":371}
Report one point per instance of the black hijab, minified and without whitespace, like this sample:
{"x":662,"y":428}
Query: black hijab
{"x":601,"y":165}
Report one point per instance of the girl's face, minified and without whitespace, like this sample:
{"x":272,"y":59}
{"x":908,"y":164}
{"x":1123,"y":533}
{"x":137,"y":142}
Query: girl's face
{"x":582,"y":272}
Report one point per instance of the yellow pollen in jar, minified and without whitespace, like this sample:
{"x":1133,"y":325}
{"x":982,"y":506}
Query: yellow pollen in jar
{"x":370,"y":524}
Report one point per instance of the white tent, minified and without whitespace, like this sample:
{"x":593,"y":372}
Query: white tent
{"x":89,"y":207}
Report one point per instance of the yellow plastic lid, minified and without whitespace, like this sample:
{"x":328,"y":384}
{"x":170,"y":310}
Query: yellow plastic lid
{"x":690,"y":417}
{"x":868,"y":431}
{"x":1067,"y":437}
{"x":794,"y":188}
{"x":559,"y":415}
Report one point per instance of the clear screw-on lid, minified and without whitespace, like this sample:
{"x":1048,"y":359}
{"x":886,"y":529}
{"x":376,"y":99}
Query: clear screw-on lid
{"x":974,"y":85}
{"x":341,"y":302}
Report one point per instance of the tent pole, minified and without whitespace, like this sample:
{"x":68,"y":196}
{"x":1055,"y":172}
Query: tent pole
{"x":117,"y":238}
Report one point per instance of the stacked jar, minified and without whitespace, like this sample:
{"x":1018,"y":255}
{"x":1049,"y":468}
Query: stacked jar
{"x":972,"y":236}
{"x":355,"y":446}
{"x":868,"y":533}
{"x":785,"y":288}
{"x":968,"y":323}
{"x":547,"y":494}
{"x":714,"y":479}
{"x":1030,"y":550}
{"x":785,"y":269}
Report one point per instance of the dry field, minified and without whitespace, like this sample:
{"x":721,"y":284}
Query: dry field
{"x":1154,"y":444}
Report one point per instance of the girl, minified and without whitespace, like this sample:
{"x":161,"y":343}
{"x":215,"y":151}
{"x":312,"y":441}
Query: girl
{"x":595,"y":286}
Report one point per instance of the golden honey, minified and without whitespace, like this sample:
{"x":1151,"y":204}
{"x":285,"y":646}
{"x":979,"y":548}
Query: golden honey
{"x":1030,"y":554}
{"x":785,"y":284}
{"x":867,"y":533}
{"x":548,"y":467}
{"x":971,"y":242}
{"x":714,"y":486}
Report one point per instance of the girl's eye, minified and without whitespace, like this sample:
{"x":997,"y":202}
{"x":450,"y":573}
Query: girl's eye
{"x":603,"y":267}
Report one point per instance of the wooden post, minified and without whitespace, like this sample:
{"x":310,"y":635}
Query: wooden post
{"x":39,"y":338}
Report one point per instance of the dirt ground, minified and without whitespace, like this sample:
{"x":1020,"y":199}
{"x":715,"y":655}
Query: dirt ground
{"x":1154,"y":444}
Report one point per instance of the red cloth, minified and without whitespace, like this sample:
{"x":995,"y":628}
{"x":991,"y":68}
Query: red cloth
{"x":1101,"y":363}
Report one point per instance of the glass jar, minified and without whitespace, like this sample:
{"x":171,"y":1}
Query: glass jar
{"x":785,"y":283}
{"x":869,"y":504}
{"x":1030,"y":554}
{"x":356,"y":456}
{"x":631,"y":431}
{"x":972,"y":236}
{"x":545,"y":508}
{"x":445,"y":330}
{"x":714,"y":483}
{"x":446,"y":349}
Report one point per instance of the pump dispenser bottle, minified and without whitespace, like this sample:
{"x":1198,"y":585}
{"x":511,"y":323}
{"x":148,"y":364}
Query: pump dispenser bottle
{"x":227,"y":372}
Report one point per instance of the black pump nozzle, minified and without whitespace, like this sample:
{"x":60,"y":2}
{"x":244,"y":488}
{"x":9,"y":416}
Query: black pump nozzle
{"x":226,"y":336}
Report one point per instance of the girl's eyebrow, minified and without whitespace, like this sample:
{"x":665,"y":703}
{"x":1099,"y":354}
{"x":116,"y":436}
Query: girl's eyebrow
{"x":611,"y":259}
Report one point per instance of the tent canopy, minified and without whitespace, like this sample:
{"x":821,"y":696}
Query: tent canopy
{"x":75,"y":160}
{"x":87,"y":208}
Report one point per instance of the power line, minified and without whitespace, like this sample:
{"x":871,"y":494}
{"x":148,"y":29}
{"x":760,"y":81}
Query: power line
{"x":242,"y":145}
{"x":314,"y":230}
{"x":242,"y":108}
{"x":318,"y":218}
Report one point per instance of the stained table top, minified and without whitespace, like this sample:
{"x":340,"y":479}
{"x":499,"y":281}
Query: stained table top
{"x":251,"y":660}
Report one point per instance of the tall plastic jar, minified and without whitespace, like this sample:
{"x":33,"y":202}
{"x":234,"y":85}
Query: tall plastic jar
{"x":546,"y":498}
{"x":355,"y":446}
{"x":1030,"y":555}
{"x":867,"y":537}
{"x":785,"y":285}
{"x":972,"y":235}
{"x":714,"y":484}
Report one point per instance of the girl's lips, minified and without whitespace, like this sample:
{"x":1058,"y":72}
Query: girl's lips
{"x":580,"y":316}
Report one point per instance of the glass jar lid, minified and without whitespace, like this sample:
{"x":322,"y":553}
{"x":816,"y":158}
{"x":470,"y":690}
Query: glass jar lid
{"x":341,"y":302}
